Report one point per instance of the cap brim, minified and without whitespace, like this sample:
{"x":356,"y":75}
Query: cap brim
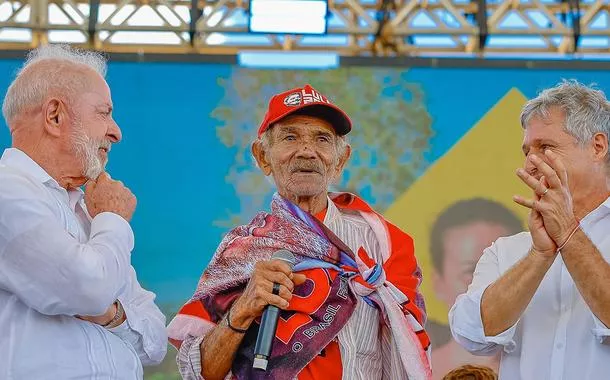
{"x":329,"y":112}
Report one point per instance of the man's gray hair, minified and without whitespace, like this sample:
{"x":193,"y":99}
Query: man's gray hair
{"x":30,"y":87}
{"x":586,"y":109}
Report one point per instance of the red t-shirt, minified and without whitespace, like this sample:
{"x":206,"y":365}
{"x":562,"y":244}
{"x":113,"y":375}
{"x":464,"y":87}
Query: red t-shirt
{"x":327,"y":365}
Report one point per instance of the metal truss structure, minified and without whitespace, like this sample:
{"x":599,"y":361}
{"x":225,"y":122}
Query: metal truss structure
{"x":356,"y":28}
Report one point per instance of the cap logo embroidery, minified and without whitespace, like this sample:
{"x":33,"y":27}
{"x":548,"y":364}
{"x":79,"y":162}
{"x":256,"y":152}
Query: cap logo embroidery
{"x":293,"y":100}
{"x":313,"y":97}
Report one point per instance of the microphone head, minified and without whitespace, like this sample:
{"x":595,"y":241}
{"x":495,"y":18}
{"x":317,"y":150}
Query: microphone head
{"x":286,"y":256}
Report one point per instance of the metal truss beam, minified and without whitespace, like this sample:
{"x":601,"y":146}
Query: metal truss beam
{"x":415,"y":28}
{"x":94,"y":8}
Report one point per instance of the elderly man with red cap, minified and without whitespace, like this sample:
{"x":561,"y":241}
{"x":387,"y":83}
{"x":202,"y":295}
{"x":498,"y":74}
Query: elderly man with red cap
{"x":350,"y":306}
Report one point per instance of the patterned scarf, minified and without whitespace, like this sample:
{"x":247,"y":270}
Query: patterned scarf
{"x":310,"y":322}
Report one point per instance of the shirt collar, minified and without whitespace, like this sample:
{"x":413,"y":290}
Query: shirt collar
{"x":332,"y":212}
{"x":17,"y":159}
{"x":598,"y":213}
{"x":606,"y":203}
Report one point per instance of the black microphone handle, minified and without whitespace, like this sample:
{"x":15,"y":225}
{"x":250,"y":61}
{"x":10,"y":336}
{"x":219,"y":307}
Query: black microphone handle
{"x":266,"y":334}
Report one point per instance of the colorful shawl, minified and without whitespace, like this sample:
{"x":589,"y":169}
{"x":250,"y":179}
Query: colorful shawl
{"x":313,"y":319}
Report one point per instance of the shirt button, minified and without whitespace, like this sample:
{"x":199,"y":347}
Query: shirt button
{"x":559,"y":346}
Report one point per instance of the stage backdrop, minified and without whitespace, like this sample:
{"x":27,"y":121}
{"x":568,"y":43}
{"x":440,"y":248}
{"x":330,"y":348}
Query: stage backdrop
{"x":435,"y":150}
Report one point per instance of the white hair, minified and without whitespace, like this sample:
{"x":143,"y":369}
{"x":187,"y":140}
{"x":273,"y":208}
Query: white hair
{"x":586,"y":109}
{"x":31,"y":87}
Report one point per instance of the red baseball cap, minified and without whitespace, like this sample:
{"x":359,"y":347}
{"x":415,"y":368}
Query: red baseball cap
{"x":305,"y":101}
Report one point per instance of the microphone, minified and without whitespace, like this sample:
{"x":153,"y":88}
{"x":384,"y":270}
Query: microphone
{"x":266,"y":332}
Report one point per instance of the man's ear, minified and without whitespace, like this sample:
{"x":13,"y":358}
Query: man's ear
{"x":440,"y":288}
{"x":260,"y":156}
{"x":600,"y":146}
{"x":55,"y":116}
{"x":343,"y":159}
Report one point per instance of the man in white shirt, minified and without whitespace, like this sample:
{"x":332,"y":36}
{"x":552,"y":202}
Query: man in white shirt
{"x":70,"y":304}
{"x":542,"y":298}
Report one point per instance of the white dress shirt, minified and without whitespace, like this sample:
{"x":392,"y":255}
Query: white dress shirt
{"x":557,"y":337}
{"x":56,"y":262}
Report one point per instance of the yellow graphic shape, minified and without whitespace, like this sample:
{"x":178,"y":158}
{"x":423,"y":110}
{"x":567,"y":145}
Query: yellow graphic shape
{"x":481,"y":164}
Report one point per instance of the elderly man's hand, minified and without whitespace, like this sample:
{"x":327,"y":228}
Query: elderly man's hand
{"x":542,"y":243}
{"x":107,"y":195}
{"x":106,"y":318}
{"x":553,"y":200}
{"x":259,"y":291}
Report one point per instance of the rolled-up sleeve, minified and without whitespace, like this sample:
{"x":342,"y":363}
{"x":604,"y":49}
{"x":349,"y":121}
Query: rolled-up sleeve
{"x":189,"y":358}
{"x":465,"y":315}
{"x":144,"y":327}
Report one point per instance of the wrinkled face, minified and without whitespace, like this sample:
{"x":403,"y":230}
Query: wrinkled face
{"x":548,"y":134}
{"x":462,"y":248}
{"x":93,"y":129}
{"x":303,"y":156}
